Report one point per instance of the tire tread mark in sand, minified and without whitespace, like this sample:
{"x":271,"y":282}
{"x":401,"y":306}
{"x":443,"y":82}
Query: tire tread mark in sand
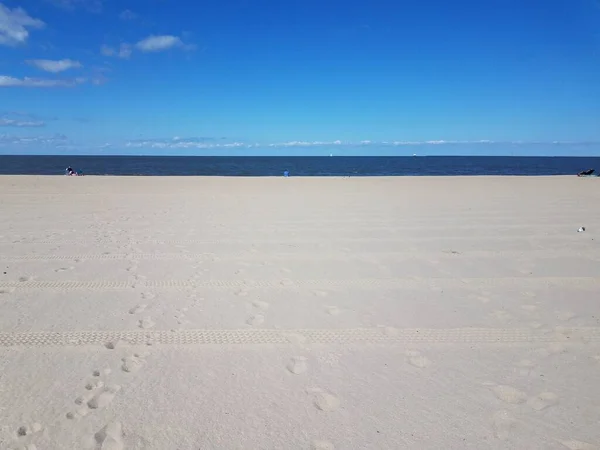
{"x":425,"y":255}
{"x":272,"y":336}
{"x":123,"y":242}
{"x":277,"y":284}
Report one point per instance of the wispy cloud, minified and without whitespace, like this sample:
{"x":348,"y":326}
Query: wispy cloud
{"x":94,"y":6}
{"x":123,"y":52}
{"x":54,"y":66}
{"x":159,"y":43}
{"x":15,"y":24}
{"x":54,"y":140}
{"x":128,"y":15}
{"x":307,"y":143}
{"x":6,"y":81}
{"x":20,"y":120}
{"x":182,"y":143}
{"x":211,"y":143}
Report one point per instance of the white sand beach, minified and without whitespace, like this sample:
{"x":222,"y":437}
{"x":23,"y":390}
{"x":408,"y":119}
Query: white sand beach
{"x":299,"y":313}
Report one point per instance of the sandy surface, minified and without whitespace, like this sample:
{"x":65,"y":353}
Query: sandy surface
{"x":341,"y":313}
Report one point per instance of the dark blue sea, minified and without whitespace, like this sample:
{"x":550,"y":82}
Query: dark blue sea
{"x":297,"y":166}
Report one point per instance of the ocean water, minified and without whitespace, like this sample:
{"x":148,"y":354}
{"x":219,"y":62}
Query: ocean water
{"x":297,"y":166}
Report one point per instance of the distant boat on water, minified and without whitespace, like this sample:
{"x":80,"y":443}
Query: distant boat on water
{"x":330,"y":155}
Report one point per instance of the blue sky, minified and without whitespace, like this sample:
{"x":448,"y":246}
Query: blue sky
{"x":290,"y":77}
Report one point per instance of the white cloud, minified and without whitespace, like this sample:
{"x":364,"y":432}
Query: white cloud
{"x":55,"y":66}
{"x":178,"y":142}
{"x":57,"y":139}
{"x":7,"y":121}
{"x":14,"y":25}
{"x":6,"y":81}
{"x":127,"y":15}
{"x":158,"y":43}
{"x":123,"y":52}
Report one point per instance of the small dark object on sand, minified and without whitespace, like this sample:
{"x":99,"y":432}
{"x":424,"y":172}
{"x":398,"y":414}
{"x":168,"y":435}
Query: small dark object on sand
{"x":586,"y":173}
{"x":581,"y":229}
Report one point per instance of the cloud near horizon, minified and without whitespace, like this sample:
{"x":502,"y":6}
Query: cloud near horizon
{"x":206,"y":143}
{"x":7,"y":81}
{"x":56,"y":140}
{"x":54,"y":66}
{"x":15,"y":24}
{"x":20,"y":121}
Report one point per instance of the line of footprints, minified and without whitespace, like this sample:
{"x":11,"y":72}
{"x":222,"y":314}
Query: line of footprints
{"x":99,"y":393}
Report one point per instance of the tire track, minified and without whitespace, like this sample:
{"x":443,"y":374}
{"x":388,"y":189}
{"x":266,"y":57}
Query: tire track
{"x":526,"y":238}
{"x":271,"y":336}
{"x":367,"y":283}
{"x":247,"y":255}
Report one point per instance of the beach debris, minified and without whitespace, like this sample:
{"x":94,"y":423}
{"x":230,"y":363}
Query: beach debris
{"x":581,"y":229}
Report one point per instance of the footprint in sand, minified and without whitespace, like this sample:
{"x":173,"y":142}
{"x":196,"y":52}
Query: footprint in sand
{"x":103,"y":398}
{"x":25,"y":279}
{"x":29,"y":430}
{"x":146,"y":323}
{"x":95,"y":384}
{"x":322,"y":445}
{"x":26,"y":434}
{"x":255,"y":320}
{"x":110,"y":437}
{"x":64,"y":269}
{"x":111,"y":345}
{"x":263,"y":306}
{"x":326,"y":402}
{"x":132,"y":364}
{"x":83,"y":399}
{"x":297,"y":365}
{"x":504,"y":424}
{"x":414,"y":358}
{"x":332,"y":310}
{"x":148,"y":295}
{"x":137,"y":309}
{"x":508,"y":394}
{"x":543,"y":401}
